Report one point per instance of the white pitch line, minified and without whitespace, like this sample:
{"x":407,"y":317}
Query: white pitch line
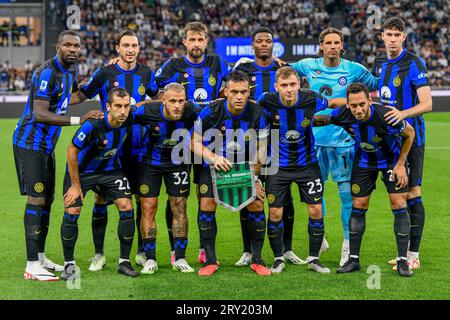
{"x":437,"y":148}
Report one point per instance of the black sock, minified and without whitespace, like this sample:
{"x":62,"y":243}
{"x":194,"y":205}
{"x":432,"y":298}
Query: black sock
{"x":357,"y":227}
{"x":244,"y":229}
{"x":417,"y":217}
{"x":288,"y":222}
{"x":208,"y":232}
{"x":180,"y":248}
{"x":402,"y":228}
{"x":45,"y":221}
{"x":316,"y":233}
{"x":138,"y":227}
{"x":98,"y":224}
{"x":149,"y":245}
{"x":32,"y":223}
{"x":201,"y":246}
{"x":69,"y":235}
{"x":275,"y":234}
{"x":169,"y":219}
{"x":257,"y":232}
{"x":125,"y":232}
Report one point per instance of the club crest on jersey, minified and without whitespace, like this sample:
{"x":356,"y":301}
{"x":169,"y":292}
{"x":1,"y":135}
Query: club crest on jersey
{"x":141,"y":90}
{"x":200,"y":94}
{"x":212,"y":81}
{"x":342,"y":81}
{"x":377,"y":139}
{"x":397,"y":81}
{"x":306,"y":122}
{"x":386,"y":92}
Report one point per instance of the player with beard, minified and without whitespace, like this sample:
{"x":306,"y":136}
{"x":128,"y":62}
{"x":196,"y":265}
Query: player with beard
{"x":202,"y":76}
{"x":261,"y":73}
{"x":139,"y":81}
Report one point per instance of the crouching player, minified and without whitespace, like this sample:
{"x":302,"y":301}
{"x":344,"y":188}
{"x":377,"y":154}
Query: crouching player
{"x":379,"y":147}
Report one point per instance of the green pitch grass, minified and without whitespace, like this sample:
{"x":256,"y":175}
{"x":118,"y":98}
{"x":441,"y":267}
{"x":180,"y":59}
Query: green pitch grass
{"x":297,"y":282}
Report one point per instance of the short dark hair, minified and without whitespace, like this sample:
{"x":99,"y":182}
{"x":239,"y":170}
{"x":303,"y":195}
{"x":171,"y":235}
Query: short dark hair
{"x":327,"y":31}
{"x":357,"y":87}
{"x":394,"y":23}
{"x":262,"y":30}
{"x":126,"y":33}
{"x":238,"y":76}
{"x":117,"y":92}
{"x":67,"y":33}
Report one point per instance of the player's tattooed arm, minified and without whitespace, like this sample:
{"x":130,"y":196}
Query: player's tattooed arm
{"x":399,"y":170}
{"x":178,"y":206}
{"x":74,"y":191}
{"x":337,"y":102}
{"x":321,"y":120}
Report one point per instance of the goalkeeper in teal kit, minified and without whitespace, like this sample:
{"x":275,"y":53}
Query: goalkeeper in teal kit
{"x":330,"y":75}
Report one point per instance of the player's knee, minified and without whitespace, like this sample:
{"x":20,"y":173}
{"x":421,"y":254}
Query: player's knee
{"x":124,"y":205}
{"x":176,"y":203}
{"x":398,"y":202}
{"x":73,"y":211}
{"x":36,"y":201}
{"x":413,"y":192}
{"x":99,"y":199}
{"x":275,"y":214}
{"x":255,"y":206}
{"x":207,"y":204}
{"x":314,"y":211}
{"x":362,"y":203}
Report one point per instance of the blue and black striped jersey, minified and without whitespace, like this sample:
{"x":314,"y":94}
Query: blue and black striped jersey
{"x":262,"y":79}
{"x":399,"y":80}
{"x":52,"y":83}
{"x":377,"y":144}
{"x":294,"y":125}
{"x":138,"y":82}
{"x":238,"y":134}
{"x":159,"y":141}
{"x":101,"y":145}
{"x":201,"y":81}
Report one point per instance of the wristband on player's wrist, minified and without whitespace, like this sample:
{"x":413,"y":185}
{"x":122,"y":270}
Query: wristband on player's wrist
{"x":75,"y":121}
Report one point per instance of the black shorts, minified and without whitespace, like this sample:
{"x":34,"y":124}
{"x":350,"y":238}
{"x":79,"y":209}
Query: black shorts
{"x":176,"y":180}
{"x":35,"y":172}
{"x":205,"y":183}
{"x":111,"y":184}
{"x":129,"y":166}
{"x":308,"y":179}
{"x":364,"y":181}
{"x":415,"y":164}
{"x":197,"y":168}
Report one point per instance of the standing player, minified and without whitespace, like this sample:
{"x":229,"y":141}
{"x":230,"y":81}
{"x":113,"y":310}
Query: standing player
{"x":139,"y":81}
{"x":330,"y":75}
{"x":404,"y":88}
{"x":172,"y":117}
{"x":34,"y":142}
{"x":378,"y":148}
{"x":223,"y":117}
{"x":291,"y":111}
{"x":262,"y":78}
{"x":93,"y":163}
{"x":202,"y":76}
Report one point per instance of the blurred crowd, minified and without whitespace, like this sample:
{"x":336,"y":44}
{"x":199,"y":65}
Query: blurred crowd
{"x":159,"y":23}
